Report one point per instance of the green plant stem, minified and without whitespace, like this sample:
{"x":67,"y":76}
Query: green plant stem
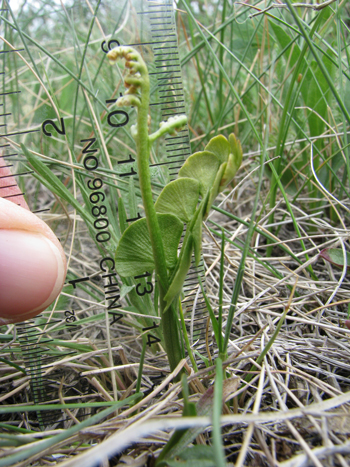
{"x":187,"y":342}
{"x":217,"y":409}
{"x":169,"y":318}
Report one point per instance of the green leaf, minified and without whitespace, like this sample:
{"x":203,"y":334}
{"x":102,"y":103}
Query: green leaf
{"x":236,"y":149}
{"x":201,"y":166}
{"x":193,"y":457}
{"x":125,"y":289}
{"x":122,"y":215}
{"x":220,"y":147}
{"x":182,"y":267}
{"x":196,"y":230}
{"x":233,"y":163}
{"x":215,"y":189}
{"x":335,"y":256}
{"x":189,"y":409}
{"x":180,"y":198}
{"x":134,"y":254}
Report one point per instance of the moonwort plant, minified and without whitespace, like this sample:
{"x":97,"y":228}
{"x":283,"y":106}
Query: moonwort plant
{"x":152,"y":243}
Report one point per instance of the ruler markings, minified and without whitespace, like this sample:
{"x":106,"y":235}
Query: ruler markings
{"x":13,"y":196}
{"x":182,"y":149}
{"x":172,"y":95}
{"x":169,"y":53}
{"x":162,"y":35}
{"x":167,"y":84}
{"x":158,"y":4}
{"x":171,"y":144}
{"x":175,"y":59}
{"x":196,"y":271}
{"x":173,"y":113}
{"x":201,"y":306}
{"x":168,"y":102}
{"x":163,"y":29}
{"x":16,"y":175}
{"x":18,"y":133}
{"x":169,"y":93}
{"x":168,"y":66}
{"x":192,"y":274}
{"x":199,"y":326}
{"x":7,"y":186}
{"x":176,"y":155}
{"x":171,"y":138}
{"x":41,"y":210}
{"x":181,"y":139}
{"x":35,"y":334}
{"x":53,"y":358}
{"x":177,"y":107}
{"x":167,"y":47}
{"x":164,"y":17}
{"x":179,"y":167}
{"x":8,"y":93}
{"x":32,"y":353}
{"x":33,"y":342}
{"x":152,"y":43}
{"x":152,"y":12}
{"x":182,"y":160}
{"x":164,"y":72}
{"x":169,"y":78}
{"x":9,"y":51}
{"x":165,"y":163}
{"x":163,"y":21}
{"x":159,"y":22}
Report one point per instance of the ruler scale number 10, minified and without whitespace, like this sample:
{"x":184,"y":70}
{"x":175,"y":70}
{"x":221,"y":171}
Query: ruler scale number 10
{"x":58,"y":101}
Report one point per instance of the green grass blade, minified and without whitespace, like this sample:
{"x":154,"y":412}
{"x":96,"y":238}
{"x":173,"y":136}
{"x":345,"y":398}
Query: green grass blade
{"x":217,"y":410}
{"x":39,"y":446}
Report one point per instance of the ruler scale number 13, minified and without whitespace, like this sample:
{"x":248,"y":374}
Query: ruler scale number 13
{"x":58,"y":100}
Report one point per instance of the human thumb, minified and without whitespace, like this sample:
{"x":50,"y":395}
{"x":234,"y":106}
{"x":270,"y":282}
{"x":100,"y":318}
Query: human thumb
{"x":32,"y":264}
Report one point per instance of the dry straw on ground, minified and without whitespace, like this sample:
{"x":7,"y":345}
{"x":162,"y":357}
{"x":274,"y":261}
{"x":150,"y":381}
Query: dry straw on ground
{"x":295,"y":409}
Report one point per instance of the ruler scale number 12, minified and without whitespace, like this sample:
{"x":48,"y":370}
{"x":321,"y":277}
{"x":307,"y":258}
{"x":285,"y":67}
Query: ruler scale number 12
{"x":58,"y":100}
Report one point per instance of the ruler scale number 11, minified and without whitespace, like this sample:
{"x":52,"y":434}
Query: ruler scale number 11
{"x":72,"y":120}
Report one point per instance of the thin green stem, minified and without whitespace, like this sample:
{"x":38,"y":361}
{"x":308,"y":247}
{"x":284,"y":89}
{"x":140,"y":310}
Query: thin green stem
{"x":217,"y":409}
{"x":187,"y":342}
{"x":221,"y":291}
